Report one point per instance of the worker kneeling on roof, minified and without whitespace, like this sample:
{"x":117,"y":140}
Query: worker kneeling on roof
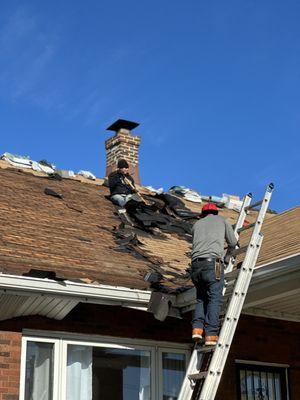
{"x":121,"y":184}
{"x":207,"y":271}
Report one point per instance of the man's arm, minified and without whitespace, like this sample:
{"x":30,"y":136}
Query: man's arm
{"x":229,"y":235}
{"x":131,"y":179}
{"x":113,"y":180}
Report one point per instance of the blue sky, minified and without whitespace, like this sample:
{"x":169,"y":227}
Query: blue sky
{"x":214,"y":85}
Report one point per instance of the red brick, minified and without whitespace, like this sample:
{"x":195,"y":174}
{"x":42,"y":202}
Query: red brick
{"x":10,"y":358}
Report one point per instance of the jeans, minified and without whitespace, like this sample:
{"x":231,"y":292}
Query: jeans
{"x":121,"y":199}
{"x":209,"y":296}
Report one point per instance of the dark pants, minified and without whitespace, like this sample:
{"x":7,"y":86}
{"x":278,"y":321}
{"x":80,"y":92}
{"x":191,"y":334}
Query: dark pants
{"x":209,"y":296}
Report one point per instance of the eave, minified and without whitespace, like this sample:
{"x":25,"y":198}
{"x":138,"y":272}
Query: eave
{"x":21,"y":296}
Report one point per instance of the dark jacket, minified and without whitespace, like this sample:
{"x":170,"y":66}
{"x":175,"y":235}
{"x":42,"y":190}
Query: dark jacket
{"x":116,"y":183}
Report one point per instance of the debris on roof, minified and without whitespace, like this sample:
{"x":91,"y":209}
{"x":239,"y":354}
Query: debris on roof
{"x":153,"y":190}
{"x":164,"y":211}
{"x":44,"y":166}
{"x":51,"y":192}
{"x":43,"y":274}
{"x":188,"y":194}
{"x":64,"y":173}
{"x":87,"y":175}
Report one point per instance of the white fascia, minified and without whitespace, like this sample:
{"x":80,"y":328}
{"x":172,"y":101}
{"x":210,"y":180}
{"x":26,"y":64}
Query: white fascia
{"x":81,"y":292}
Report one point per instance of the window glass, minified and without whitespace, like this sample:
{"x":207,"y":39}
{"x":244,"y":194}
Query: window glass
{"x":39,"y":371}
{"x":107,"y":373}
{"x":262,"y":383}
{"x":173,"y":365}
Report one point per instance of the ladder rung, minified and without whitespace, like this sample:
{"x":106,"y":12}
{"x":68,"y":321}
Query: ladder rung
{"x":198,"y":376}
{"x":238,"y":251}
{"x":251,"y":206}
{"x":206,"y":349}
{"x":244,"y":228}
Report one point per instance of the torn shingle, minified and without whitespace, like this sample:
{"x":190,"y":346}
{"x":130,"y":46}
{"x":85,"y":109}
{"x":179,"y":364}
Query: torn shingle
{"x":51,"y":192}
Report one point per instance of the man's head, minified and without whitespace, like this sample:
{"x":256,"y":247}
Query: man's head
{"x":209,"y":208}
{"x":123,"y":166}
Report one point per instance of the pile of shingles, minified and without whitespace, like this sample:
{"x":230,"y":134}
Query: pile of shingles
{"x":163,"y":212}
{"x":162,"y":215}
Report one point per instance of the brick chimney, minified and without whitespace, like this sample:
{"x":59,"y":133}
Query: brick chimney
{"x":123,"y":145}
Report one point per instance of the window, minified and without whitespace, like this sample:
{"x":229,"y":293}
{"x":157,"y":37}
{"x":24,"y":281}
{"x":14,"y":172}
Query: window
{"x":173,"y":367}
{"x":62,"y":369}
{"x":261,"y":382}
{"x":107,"y":373}
{"x":39,"y":371}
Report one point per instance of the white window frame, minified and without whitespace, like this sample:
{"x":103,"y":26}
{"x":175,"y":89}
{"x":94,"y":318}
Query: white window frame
{"x":159,"y":370}
{"x":62,"y":340}
{"x":56,"y":359}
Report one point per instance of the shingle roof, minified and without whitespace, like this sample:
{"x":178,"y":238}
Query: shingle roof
{"x":74,"y":236}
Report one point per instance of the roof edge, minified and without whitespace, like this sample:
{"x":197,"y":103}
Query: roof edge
{"x":88,"y":293}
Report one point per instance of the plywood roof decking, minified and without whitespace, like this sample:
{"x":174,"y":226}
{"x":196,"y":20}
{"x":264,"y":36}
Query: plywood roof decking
{"x":74,"y":238}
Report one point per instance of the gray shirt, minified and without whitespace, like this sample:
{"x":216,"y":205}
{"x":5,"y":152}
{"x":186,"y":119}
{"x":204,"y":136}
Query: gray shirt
{"x":209,"y":234}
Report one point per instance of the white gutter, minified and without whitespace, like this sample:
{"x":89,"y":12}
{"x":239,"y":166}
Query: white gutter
{"x":81,"y":292}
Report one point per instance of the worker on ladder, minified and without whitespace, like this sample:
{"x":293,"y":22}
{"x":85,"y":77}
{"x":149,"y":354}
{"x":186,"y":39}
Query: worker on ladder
{"x":207,"y":271}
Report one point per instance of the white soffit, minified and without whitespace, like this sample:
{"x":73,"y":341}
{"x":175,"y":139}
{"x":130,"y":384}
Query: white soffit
{"x":12,"y":306}
{"x":21,"y":296}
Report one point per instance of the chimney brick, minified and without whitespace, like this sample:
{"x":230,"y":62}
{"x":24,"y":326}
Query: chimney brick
{"x":123,"y":145}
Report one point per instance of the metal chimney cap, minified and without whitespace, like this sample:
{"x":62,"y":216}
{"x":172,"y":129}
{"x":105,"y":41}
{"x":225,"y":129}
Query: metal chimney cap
{"x":122,"y":124}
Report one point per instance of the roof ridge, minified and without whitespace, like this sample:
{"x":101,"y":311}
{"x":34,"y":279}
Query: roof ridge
{"x":6,"y":165}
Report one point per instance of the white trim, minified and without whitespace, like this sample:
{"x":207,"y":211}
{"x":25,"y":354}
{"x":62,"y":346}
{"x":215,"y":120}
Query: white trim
{"x":88,"y":338}
{"x":261,"y":363}
{"x":262,"y":312}
{"x":161,"y":350}
{"x":56,"y":359}
{"x":98,"y":294}
{"x":278,"y":261}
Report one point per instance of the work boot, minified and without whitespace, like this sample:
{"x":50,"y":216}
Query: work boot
{"x":197,"y":334}
{"x":211,"y":340}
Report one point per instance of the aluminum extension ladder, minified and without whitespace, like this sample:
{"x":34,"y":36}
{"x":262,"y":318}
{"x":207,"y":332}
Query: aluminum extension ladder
{"x":207,"y":363}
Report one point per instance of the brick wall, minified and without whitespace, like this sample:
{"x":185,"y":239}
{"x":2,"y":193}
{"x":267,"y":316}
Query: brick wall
{"x":123,"y":145}
{"x":256,"y":339}
{"x":263,"y":340}
{"x":10,"y":358}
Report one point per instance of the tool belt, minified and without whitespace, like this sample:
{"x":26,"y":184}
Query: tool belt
{"x":218,"y":265}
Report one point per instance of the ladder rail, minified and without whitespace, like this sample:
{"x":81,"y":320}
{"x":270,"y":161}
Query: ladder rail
{"x":211,"y":383}
{"x":239,"y":224}
{"x":187,"y":386}
{"x":217,"y":363}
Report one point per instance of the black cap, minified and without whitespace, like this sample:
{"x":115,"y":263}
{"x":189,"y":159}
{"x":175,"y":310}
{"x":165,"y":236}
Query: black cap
{"x":122,"y":123}
{"x":123,"y":163}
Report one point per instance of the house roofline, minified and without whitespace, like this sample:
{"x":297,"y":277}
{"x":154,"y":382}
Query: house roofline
{"x":27,"y":296}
